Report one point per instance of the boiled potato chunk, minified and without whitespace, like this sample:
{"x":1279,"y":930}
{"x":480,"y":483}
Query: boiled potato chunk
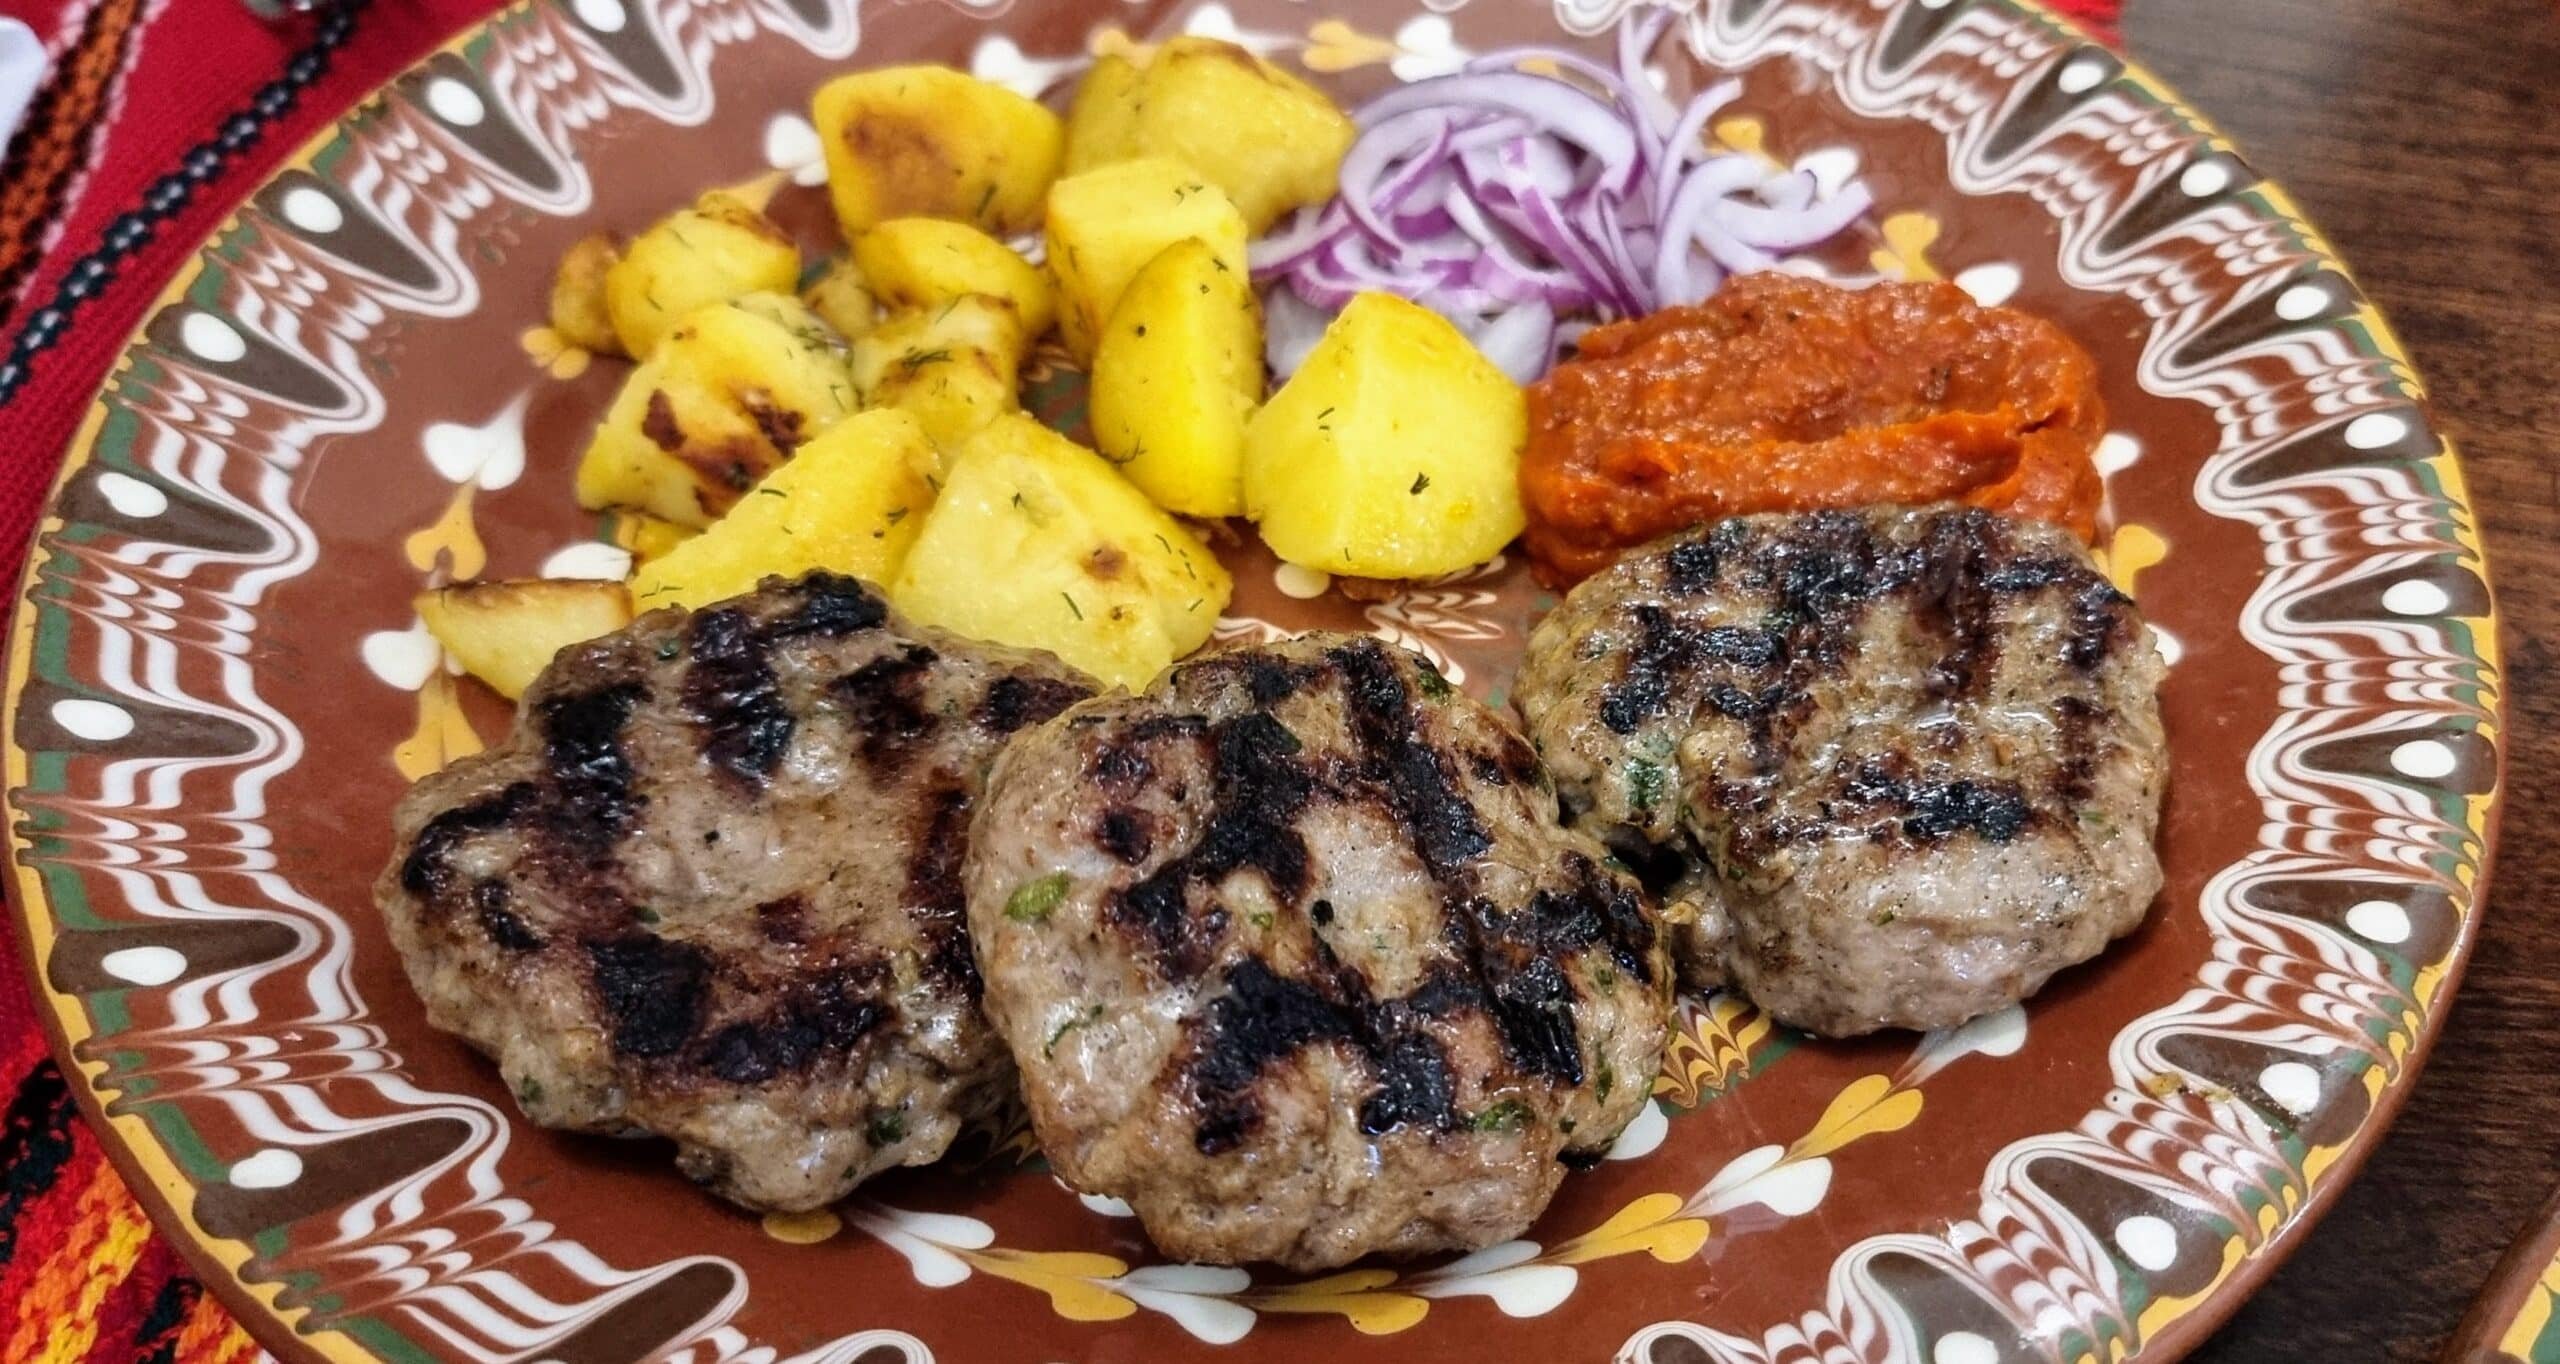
{"x":648,"y":537}
{"x":842,"y":298}
{"x":717,"y":250}
{"x":955,"y":367}
{"x":1393,"y":452}
{"x":579,"y":314}
{"x":1271,"y":141}
{"x":729,"y":395}
{"x":1102,"y":121}
{"x":1178,"y":371}
{"x":850,"y":502}
{"x":927,"y":262}
{"x":1104,"y":225}
{"x":504,"y":633}
{"x":1037,"y":542}
{"x":930,"y":142}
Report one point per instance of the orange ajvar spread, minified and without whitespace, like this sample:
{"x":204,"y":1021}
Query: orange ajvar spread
{"x":1786,"y":394}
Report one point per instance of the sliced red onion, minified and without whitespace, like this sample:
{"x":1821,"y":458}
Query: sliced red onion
{"x":1636,"y":41}
{"x":1521,"y":342}
{"x":1291,"y":326}
{"x":1522,"y":204}
{"x":1554,"y":105}
{"x":1674,"y":270}
{"x":1782,"y":230}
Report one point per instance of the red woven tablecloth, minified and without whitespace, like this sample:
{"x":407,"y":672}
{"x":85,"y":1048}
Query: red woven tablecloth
{"x":157,"y":117}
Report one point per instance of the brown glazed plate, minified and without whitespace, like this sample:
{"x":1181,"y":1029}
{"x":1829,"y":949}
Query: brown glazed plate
{"x":217,"y":690}
{"x":2516,"y":1318}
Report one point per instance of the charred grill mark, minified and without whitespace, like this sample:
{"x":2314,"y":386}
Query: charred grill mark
{"x":1269,"y":679}
{"x":1643,"y":688}
{"x":2101,"y":620}
{"x":732,"y":694}
{"x":1014,"y":702}
{"x":1691,"y":566}
{"x":1593,"y":908}
{"x":582,"y":744}
{"x":884,"y":700}
{"x":489,"y":904}
{"x":826,"y":1017}
{"x":832,"y":606}
{"x":785,"y":920}
{"x":652,"y":989}
{"x":1533,"y":1005}
{"x":937,"y":903}
{"x":2076,"y":763}
{"x":1443,"y":825}
{"x":1258,"y":791}
{"x":1265,"y":1018}
{"x":1126,"y":834}
{"x":778,"y":424}
{"x":1261,"y":1019}
{"x":658,"y":422}
{"x":1932,"y":810}
{"x":427,"y":871}
{"x":1414,"y":1086}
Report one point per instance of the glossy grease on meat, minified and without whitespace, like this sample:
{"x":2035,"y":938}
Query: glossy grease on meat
{"x":710,"y":887}
{"x":1902,"y":764}
{"x":1295,"y":958}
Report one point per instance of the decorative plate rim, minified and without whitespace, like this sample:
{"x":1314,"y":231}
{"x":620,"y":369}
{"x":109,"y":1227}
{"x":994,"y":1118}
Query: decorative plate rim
{"x":158,"y":1185}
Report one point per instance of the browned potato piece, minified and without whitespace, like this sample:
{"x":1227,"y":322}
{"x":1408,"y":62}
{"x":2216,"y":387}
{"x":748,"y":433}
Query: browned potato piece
{"x":728,"y":395}
{"x":1102,"y":123}
{"x":1178,"y":371}
{"x":927,"y":262}
{"x":719,"y":249}
{"x":578,"y":312}
{"x":1270,"y":140}
{"x":504,"y":633}
{"x":1104,"y":225}
{"x":843,"y":298}
{"x":931,"y":142}
{"x":956,"y":367}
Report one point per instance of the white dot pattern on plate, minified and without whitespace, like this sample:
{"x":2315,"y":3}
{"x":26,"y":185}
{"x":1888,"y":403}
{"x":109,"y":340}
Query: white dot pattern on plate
{"x":1991,"y":285}
{"x":2205,"y":179}
{"x":2374,"y":430}
{"x":589,"y":559}
{"x":2148,"y":1241}
{"x":2416,"y":597}
{"x":2378,"y":920}
{"x":312,"y":211}
{"x":1963,"y":1347}
{"x":272,"y":1168}
{"x":2170,"y":649}
{"x":604,"y":16}
{"x":99,"y":722}
{"x":2301,"y":303}
{"x":2116,"y":452}
{"x":455,"y":102}
{"x":2294,"y":1086}
{"x":2424,"y":759}
{"x":207,"y":337}
{"x":131,"y":496}
{"x":144,"y":965}
{"x":1305,"y":584}
{"x":2080,"y":76}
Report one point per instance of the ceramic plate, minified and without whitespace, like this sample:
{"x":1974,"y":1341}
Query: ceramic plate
{"x":2513,"y":1321}
{"x":217,"y":690}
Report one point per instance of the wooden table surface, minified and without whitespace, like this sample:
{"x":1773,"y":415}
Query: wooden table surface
{"x":2423,"y":136}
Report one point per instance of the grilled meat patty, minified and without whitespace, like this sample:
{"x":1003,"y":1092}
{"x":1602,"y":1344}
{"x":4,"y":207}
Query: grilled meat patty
{"x":1899,"y":765}
{"x":710,"y":887}
{"x":1295,"y":958}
